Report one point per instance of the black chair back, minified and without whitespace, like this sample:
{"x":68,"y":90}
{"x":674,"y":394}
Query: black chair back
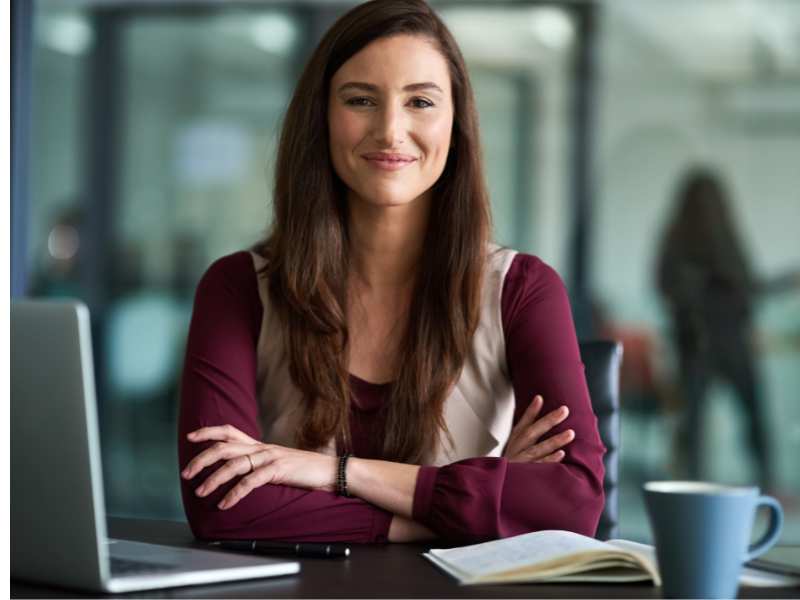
{"x":602,"y":360}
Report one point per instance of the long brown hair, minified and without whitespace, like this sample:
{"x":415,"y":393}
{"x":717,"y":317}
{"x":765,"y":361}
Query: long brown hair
{"x":308,"y":258}
{"x":702,"y":236}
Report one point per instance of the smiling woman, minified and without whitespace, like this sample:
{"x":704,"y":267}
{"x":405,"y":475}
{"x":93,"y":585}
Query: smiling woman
{"x":380,"y":122}
{"x":375,"y":369}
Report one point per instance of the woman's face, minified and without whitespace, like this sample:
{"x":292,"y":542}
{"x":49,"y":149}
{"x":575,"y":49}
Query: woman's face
{"x":390,"y":117}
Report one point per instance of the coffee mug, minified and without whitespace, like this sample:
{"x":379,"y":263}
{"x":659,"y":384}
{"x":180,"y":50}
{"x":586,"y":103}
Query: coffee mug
{"x":702,"y":534}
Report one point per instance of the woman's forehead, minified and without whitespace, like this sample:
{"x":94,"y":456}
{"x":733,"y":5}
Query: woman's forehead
{"x":394,"y":64}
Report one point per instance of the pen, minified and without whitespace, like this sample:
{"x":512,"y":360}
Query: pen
{"x":304,"y":550}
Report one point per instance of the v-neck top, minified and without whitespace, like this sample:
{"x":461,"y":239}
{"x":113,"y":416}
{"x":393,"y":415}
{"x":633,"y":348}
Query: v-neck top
{"x":468,"y":493}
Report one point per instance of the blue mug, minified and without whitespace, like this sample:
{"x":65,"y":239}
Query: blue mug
{"x":702,"y":535}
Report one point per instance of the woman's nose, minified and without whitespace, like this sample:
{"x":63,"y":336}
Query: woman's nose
{"x":389,"y":126}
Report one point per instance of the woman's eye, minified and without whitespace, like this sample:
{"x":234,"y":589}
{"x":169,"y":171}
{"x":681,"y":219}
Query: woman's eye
{"x":359,"y":101}
{"x":365,"y":101}
{"x":421,"y":103}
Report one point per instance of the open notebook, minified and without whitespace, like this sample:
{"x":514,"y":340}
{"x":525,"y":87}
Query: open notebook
{"x":563,"y":556}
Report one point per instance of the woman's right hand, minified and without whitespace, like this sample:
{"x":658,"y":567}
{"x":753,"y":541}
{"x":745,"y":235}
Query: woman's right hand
{"x":523,"y":443}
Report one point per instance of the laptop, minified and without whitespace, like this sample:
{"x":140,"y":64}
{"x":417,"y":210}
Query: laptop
{"x":58,"y":518}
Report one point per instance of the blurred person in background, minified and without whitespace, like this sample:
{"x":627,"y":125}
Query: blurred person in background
{"x":708,"y":284}
{"x":59,"y":274}
{"x":377,"y":320}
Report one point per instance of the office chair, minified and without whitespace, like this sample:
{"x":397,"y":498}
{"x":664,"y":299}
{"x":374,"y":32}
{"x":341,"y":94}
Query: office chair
{"x":602,"y":360}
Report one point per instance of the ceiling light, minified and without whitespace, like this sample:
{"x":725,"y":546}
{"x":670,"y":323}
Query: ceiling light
{"x":553,"y":28}
{"x":274,"y":33}
{"x":69,"y":34}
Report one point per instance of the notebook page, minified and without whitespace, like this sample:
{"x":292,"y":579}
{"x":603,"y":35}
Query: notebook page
{"x":644,"y":551}
{"x":458,"y":575}
{"x":515,"y":552}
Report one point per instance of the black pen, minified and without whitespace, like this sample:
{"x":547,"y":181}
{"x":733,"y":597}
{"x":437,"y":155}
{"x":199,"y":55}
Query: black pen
{"x":300,"y":550}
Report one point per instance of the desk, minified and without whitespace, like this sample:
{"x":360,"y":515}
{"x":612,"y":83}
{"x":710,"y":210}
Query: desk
{"x":389,"y":571}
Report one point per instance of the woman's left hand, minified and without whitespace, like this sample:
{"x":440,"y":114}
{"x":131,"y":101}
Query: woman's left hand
{"x":260,"y":463}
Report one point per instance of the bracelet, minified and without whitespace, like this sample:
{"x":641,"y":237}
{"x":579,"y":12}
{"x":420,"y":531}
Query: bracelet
{"x":341,"y":476}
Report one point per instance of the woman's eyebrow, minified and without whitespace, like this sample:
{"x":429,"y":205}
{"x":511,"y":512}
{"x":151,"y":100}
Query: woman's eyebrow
{"x":369,"y":87}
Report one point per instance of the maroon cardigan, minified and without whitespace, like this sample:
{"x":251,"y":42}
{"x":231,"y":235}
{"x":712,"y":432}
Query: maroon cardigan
{"x":474,"y":499}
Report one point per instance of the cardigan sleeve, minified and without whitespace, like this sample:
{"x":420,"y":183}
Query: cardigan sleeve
{"x":219,"y":387}
{"x":485,"y":498}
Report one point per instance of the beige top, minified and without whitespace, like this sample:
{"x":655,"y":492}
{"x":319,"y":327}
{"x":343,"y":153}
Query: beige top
{"x":478,"y":412}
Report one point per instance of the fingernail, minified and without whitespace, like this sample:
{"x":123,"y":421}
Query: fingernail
{"x":185,"y":473}
{"x":222,"y":505}
{"x":564,"y":410}
{"x":200,"y":491}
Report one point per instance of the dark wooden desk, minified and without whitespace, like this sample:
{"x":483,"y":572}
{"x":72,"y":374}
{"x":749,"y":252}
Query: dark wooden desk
{"x":390,"y":571}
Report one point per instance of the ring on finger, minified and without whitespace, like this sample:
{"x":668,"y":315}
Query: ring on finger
{"x":252,"y":466}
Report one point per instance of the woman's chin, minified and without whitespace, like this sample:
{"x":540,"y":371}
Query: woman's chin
{"x":387,"y":199}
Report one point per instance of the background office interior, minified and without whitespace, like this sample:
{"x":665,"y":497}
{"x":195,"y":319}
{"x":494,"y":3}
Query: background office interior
{"x":153,"y":130}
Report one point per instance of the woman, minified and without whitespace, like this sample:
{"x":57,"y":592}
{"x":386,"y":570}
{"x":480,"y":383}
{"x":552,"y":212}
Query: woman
{"x":376,"y":321}
{"x":710,"y":288}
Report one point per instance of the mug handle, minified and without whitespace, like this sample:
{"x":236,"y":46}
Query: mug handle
{"x":773,"y":530}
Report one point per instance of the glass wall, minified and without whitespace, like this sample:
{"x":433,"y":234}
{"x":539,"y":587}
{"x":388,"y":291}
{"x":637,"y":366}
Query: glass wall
{"x":62,"y":42}
{"x":201,"y":93}
{"x":520,"y":66}
{"x":695,"y":256}
{"x":197,"y":92}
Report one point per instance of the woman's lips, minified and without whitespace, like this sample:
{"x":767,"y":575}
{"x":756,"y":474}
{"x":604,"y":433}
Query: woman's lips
{"x":389,"y":162}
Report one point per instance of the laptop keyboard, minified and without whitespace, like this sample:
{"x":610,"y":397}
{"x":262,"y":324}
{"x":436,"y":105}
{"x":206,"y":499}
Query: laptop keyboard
{"x":123,"y":566}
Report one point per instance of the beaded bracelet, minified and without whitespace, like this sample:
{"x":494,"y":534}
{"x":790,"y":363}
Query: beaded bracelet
{"x":341,"y":476}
